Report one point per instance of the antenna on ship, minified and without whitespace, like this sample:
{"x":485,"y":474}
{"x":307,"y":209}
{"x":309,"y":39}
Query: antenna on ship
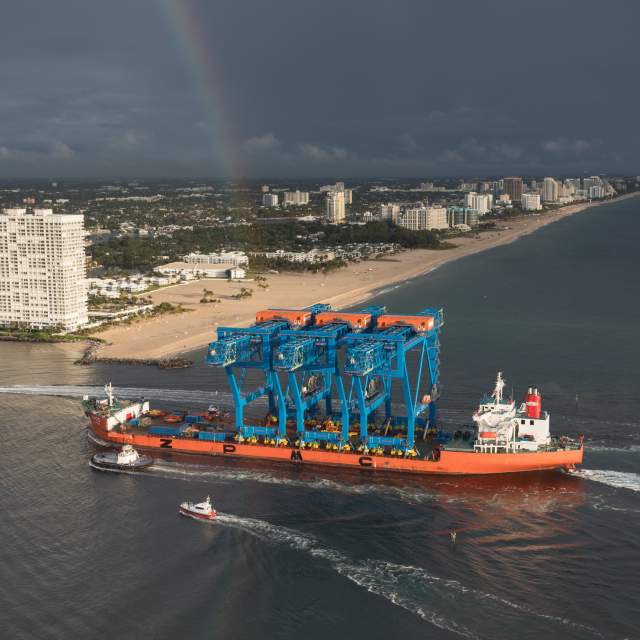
{"x":108,"y":388}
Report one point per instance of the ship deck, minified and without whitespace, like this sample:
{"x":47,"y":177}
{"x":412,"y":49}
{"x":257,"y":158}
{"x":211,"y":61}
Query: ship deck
{"x":219,"y":428}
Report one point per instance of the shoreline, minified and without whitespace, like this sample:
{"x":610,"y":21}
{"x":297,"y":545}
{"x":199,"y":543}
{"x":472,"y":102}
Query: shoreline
{"x":163,"y":340}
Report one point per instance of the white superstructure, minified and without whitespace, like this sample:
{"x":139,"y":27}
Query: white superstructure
{"x":501,"y":426}
{"x":42,"y":269}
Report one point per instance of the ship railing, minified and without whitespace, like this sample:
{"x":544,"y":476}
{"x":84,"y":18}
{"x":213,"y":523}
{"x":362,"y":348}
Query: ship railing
{"x":256,"y":431}
{"x":494,"y":447}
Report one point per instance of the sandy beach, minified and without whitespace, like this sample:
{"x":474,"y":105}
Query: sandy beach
{"x":171,"y":335}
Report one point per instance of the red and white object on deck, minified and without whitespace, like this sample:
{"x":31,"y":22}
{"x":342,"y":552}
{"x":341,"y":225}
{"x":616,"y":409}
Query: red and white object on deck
{"x":199,"y":511}
{"x":533,"y":404}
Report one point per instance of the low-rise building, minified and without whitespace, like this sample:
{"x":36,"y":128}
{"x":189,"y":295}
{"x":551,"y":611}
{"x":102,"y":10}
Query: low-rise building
{"x":223,"y":257}
{"x":312,"y":256}
{"x":192,"y":271}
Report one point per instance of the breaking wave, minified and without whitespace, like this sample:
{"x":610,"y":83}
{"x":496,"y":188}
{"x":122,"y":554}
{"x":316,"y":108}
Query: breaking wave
{"x":411,"y":588}
{"x":617,"y":479}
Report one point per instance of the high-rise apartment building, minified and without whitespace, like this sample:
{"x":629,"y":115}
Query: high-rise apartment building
{"x":572,"y":185}
{"x":296,"y":198}
{"x":530,"y":202}
{"x":550,"y":190}
{"x":339,"y":187}
{"x":334,"y":207}
{"x":513,"y":186}
{"x":42,"y":269}
{"x":424,"y":218}
{"x":390,"y":212}
{"x":462,"y":215}
{"x":270,"y":200}
{"x":480,"y":202}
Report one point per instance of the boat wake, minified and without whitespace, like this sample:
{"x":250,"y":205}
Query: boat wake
{"x":200,"y":473}
{"x":415,"y":589}
{"x":632,"y":448}
{"x":617,"y":479}
{"x":189,"y":396}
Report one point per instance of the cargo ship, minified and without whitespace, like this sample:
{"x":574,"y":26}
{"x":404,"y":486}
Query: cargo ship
{"x":332,"y":381}
{"x":504,"y":438}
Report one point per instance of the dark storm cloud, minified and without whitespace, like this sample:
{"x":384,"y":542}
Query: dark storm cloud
{"x":366,"y":87}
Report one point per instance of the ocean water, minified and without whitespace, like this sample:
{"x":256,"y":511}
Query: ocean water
{"x":317,"y":553}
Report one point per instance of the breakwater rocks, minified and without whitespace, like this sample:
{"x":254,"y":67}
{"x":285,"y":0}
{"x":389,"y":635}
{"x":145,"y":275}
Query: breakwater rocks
{"x":90,"y":357}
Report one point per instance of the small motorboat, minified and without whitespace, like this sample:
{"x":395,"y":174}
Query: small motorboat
{"x":199,"y":511}
{"x":127,"y":459}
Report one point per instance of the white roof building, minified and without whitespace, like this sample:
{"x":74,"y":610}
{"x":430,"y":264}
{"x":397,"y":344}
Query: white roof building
{"x":190,"y":271}
{"x":223,"y":257}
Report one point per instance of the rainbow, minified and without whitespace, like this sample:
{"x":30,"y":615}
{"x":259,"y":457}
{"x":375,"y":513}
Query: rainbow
{"x":196,"y":49}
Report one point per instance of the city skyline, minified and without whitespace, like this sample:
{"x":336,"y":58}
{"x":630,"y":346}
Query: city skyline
{"x":241,"y":90}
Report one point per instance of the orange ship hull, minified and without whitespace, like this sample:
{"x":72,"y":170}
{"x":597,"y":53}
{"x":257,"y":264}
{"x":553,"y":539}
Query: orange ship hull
{"x":449,"y":462}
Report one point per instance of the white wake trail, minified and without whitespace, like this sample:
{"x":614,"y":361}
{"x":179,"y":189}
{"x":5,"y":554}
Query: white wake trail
{"x":411,"y":588}
{"x":167,"y":395}
{"x":617,"y":479}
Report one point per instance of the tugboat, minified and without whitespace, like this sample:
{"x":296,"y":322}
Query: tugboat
{"x":127,"y":459}
{"x":199,"y":511}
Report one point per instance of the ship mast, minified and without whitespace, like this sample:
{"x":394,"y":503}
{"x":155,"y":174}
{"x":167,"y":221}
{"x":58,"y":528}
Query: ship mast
{"x":108,"y":388}
{"x":497,"y":392}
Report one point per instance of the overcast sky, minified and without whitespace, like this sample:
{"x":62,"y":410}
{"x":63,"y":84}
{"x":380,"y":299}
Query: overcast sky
{"x":298,"y":88}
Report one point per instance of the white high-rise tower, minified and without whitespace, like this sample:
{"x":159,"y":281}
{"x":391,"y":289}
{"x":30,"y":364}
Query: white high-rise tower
{"x":42,"y":269}
{"x":335,"y":207}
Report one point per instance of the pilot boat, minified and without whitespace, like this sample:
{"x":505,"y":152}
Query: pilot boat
{"x":199,"y":510}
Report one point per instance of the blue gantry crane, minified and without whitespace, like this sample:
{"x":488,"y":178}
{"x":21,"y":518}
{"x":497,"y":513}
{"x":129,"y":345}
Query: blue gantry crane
{"x":240,"y":349}
{"x":309,"y":362}
{"x":376,"y":359}
{"x":298,"y":352}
